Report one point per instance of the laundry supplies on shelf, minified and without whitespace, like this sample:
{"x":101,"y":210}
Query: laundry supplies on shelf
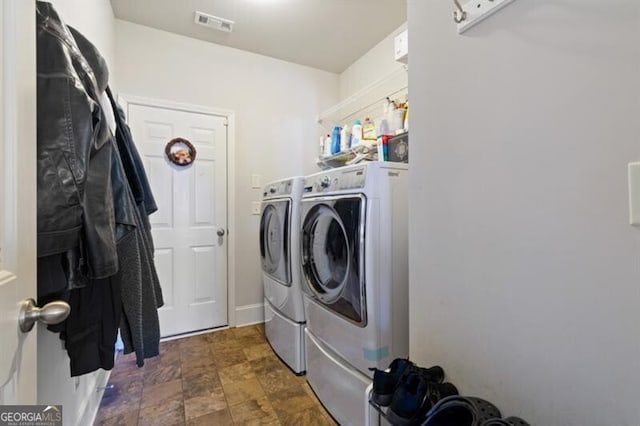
{"x":369,"y":131}
{"x":365,"y":139}
{"x":345,"y":138}
{"x":335,"y":140}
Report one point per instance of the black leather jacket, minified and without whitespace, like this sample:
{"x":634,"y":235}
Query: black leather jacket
{"x":75,"y":199}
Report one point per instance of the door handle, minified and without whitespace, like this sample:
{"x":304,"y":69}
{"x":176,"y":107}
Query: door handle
{"x":51,"y":313}
{"x":220,"y":232}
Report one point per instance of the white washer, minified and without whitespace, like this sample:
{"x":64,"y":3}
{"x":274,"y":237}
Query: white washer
{"x":355,"y":268}
{"x":280,"y":254}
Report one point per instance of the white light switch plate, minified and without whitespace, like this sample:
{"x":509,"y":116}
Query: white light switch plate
{"x":255,"y":181}
{"x":255,"y":207}
{"x":479,"y":10}
{"x":634,"y":194}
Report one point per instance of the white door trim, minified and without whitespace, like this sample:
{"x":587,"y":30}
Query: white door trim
{"x":125,"y":100}
{"x":18,"y":372}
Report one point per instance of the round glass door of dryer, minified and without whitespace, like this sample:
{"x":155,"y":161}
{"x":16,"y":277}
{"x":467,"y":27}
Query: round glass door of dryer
{"x":332,"y":239}
{"x":327,"y":251}
{"x":274,"y":240}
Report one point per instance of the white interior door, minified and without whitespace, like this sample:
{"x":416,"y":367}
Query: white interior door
{"x":18,"y":195}
{"x":189,"y":229}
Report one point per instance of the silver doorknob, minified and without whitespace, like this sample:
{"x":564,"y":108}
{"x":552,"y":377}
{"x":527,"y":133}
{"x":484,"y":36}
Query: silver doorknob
{"x":220,"y":232}
{"x":51,"y":313}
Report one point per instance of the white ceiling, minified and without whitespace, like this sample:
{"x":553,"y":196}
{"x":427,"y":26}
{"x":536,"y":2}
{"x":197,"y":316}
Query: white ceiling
{"x":324,"y":34}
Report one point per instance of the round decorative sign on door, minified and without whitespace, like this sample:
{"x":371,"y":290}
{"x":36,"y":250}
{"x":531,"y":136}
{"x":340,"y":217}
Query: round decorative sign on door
{"x":180,"y":152}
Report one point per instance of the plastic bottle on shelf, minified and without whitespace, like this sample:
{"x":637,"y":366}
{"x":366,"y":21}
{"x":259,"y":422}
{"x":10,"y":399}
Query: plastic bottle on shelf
{"x":369,"y":130}
{"x":406,"y":117}
{"x":383,"y":147}
{"x":345,"y":138}
{"x":335,"y":140}
{"x":383,"y":128}
{"x":389,"y":107}
{"x":327,"y":145}
{"x":398,"y":120}
{"x":356,"y":133}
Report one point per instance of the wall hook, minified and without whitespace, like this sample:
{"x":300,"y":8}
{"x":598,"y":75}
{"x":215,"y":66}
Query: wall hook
{"x":460,"y":14}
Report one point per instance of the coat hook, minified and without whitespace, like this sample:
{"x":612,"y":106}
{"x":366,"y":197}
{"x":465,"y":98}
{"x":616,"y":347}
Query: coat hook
{"x":460,"y":14}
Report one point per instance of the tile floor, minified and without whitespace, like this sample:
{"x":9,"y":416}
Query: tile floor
{"x":227,"y":377}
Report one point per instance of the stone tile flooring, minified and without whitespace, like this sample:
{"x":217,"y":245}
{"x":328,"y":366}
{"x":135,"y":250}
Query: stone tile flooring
{"x":226,"y":377}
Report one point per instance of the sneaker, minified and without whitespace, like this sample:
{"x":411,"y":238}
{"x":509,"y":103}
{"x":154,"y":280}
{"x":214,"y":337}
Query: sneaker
{"x":385,"y":383}
{"x":433,"y":374}
{"x":414,"y":397}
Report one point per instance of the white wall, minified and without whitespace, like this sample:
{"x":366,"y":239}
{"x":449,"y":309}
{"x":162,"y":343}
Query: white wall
{"x":525,"y":277}
{"x":275,"y":103}
{"x":377,"y":63}
{"x":95,"y":20}
{"x":366,"y":83}
{"x":79,"y":396}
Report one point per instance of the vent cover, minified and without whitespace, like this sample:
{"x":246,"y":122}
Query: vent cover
{"x":214,"y":22}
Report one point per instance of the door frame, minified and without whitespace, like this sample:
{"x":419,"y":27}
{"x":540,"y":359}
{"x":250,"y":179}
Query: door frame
{"x":125,"y":100}
{"x":18,"y":224}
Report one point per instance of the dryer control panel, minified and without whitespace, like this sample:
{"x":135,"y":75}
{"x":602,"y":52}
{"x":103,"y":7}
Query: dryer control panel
{"x":336,"y":180}
{"x":278,"y":189}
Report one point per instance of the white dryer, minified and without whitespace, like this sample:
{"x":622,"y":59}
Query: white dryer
{"x":280,"y":254}
{"x":355,"y":267}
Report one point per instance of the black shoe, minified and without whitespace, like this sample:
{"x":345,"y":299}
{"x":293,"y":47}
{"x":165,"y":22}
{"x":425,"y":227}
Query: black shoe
{"x":385,"y":383}
{"x":414,"y":397}
{"x":440,"y":390}
{"x":462,"y":411}
{"x":433,"y":374}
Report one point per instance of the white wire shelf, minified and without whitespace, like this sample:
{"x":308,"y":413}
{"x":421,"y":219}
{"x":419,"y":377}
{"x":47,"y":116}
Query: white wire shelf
{"x":365,"y":152}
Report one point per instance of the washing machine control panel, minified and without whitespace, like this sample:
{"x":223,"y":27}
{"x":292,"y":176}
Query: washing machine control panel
{"x":278,"y":189}
{"x":336,"y":181}
{"x":324,"y":183}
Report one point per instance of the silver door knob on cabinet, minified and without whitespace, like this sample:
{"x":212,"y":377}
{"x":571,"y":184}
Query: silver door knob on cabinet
{"x":220,"y":232}
{"x":51,"y":313}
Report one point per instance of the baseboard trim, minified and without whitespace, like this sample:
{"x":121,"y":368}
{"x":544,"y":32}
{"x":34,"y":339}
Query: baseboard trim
{"x":93,"y":399}
{"x":249,"y":314}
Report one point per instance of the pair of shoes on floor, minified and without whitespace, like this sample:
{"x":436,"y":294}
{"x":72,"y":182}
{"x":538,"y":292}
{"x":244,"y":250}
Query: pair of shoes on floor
{"x":409,"y":391}
{"x":468,"y":411}
{"x":386,"y":382}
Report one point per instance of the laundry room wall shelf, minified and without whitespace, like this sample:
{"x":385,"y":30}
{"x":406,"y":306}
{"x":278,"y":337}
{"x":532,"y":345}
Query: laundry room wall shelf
{"x":367,"y":102}
{"x":352,"y":156}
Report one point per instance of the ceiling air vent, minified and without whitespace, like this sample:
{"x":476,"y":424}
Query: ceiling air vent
{"x":214,"y":22}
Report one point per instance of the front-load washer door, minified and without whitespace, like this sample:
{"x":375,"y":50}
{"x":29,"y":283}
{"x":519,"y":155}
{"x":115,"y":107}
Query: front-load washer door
{"x":274,"y":240}
{"x":333,"y":254}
